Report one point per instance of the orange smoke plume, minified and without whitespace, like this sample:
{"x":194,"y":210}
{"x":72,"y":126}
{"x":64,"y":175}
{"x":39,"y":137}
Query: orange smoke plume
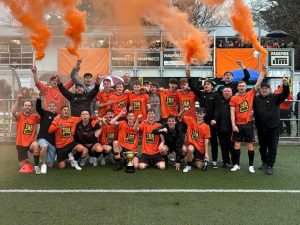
{"x":31,"y":16}
{"x":76,"y":23}
{"x":242,"y":21}
{"x":213,"y":2}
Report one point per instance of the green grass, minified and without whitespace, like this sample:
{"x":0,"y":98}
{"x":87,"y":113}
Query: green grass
{"x":151,"y":208}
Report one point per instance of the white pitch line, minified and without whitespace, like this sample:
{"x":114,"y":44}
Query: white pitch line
{"x":149,"y":191}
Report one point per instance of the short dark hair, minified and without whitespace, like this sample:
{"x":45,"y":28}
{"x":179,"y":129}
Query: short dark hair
{"x":242,"y":81}
{"x":64,"y":106}
{"x":154,"y":84}
{"x":182,"y":81}
{"x":107,"y":80}
{"x":228,"y":72}
{"x":87,"y":75}
{"x":171,"y":116}
{"x":173,"y":81}
{"x":110,"y":110}
{"x":200,"y":110}
{"x":137,"y":82}
{"x":84,"y":111}
{"x":27,"y":101}
{"x":150,"y":110}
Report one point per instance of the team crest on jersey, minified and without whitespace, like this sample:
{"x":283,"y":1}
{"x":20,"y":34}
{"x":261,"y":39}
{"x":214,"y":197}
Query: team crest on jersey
{"x":66,"y":132}
{"x":186,"y":104}
{"x":121,"y":104}
{"x":195,"y":135}
{"x":130,"y":138}
{"x":28,"y":129}
{"x":244,"y":107}
{"x":137,"y":106}
{"x":170,"y":101}
{"x":110,"y":137}
{"x":150,"y":138}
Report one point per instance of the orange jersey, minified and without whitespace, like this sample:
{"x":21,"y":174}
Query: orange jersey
{"x":64,"y":130}
{"x":243,"y":106}
{"x":26,"y":129}
{"x":196,"y":133}
{"x":108,"y":134}
{"x":286,"y":105}
{"x":127,"y":137}
{"x":103,"y":97}
{"x":120,"y":102}
{"x":139,"y":104}
{"x":187,"y":100}
{"x":150,"y":142}
{"x":168,"y":103}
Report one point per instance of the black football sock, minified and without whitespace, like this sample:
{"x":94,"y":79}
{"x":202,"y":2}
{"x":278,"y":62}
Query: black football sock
{"x":77,"y":156}
{"x":251,"y":157}
{"x":36,"y":160}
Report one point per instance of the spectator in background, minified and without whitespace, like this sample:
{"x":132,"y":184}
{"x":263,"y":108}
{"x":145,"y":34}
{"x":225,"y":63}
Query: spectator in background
{"x":51,"y":93}
{"x":155,"y":100}
{"x":296,"y":113}
{"x":285,"y":113}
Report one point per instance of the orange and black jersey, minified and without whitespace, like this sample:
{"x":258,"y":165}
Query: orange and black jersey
{"x":150,"y":141}
{"x":85,"y":134}
{"x":64,"y":130}
{"x":26,"y":129}
{"x":127,"y":137}
{"x":139,"y":104}
{"x":187,"y":100}
{"x":168,"y":103}
{"x":108,"y":134}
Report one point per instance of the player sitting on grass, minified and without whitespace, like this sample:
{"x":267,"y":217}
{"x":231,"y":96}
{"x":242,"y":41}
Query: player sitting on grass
{"x":26,"y":134}
{"x":151,"y":146}
{"x":128,"y":138}
{"x":198,"y":134}
{"x":87,"y":133}
{"x":64,"y":127}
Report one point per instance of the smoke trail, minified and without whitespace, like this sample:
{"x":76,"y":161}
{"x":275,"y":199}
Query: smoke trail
{"x":242,"y":21}
{"x":31,"y":16}
{"x":213,"y":2}
{"x":76,"y":23}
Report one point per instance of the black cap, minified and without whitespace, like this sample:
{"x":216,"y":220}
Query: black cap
{"x":265,"y":84}
{"x":211,"y":82}
{"x":79,"y":85}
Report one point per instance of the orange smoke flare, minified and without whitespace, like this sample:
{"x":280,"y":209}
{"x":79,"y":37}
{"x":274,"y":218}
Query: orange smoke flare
{"x":76,"y":24}
{"x":30,"y":15}
{"x":213,"y":2}
{"x":242,"y":21}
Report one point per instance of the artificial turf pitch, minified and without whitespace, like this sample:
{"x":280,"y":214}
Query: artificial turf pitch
{"x":151,"y":208}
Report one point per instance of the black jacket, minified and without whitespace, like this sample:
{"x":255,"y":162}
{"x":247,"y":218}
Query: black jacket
{"x":222,"y":116}
{"x":233,"y":85}
{"x":174,"y":139}
{"x":79,"y":102}
{"x":266,"y":109}
{"x":209,"y":101}
{"x":46,"y":120}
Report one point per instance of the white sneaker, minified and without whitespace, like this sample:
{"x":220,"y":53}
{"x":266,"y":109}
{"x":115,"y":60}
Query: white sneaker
{"x":91,"y":160}
{"x":71,"y":157}
{"x":235,"y":168}
{"x":171,"y":157}
{"x":251,"y":169}
{"x":82,"y":162}
{"x":95,"y":161}
{"x":75,"y":165}
{"x":102,"y":160}
{"x":37,"y":170}
{"x":187,"y":169}
{"x":44,"y":168}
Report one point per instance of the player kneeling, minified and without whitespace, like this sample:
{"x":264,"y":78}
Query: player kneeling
{"x":198,"y":134}
{"x":151,"y":146}
{"x":128,"y":138}
{"x":64,"y":127}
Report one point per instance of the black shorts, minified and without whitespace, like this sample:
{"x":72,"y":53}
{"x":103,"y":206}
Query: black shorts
{"x":245,"y":134}
{"x":22,"y":152}
{"x":198,"y":156}
{"x":151,"y":160}
{"x":62,"y":153}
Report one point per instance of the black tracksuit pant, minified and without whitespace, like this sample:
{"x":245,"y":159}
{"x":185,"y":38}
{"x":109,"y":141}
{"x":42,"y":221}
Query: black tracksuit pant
{"x":226,"y":146}
{"x":268,"y":142}
{"x":214,"y":142}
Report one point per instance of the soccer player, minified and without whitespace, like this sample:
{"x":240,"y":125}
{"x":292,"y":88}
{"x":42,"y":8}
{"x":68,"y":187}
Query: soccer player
{"x":26,"y":133}
{"x":174,"y":138}
{"x":87,"y":133}
{"x":120,"y":99}
{"x":186,"y":97}
{"x":241,"y":110}
{"x":108,"y":134}
{"x":267,"y":120}
{"x":64,"y":128}
{"x":151,"y":146}
{"x":198,"y":134}
{"x":139,"y":102}
{"x":80,"y":100}
{"x":228,"y":79}
{"x":169,"y":100}
{"x":46,"y":141}
{"x":128,"y":138}
{"x":51,"y":93}
{"x":103,"y":101}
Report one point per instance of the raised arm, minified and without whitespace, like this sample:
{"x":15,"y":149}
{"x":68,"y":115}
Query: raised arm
{"x":114,"y":121}
{"x":136,"y":124}
{"x":285,"y":91}
{"x":74,"y":73}
{"x":246,"y":72}
{"x":39,"y":107}
{"x":67,"y":94}
{"x":93,"y":93}
{"x":260,"y":78}
{"x":196,"y":91}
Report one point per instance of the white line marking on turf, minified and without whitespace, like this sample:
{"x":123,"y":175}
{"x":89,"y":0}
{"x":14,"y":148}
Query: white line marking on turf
{"x":148,"y":191}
